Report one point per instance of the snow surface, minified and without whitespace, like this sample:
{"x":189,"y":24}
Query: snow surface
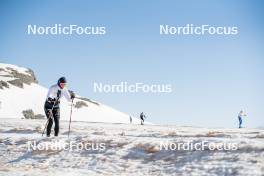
{"x":129,"y":150}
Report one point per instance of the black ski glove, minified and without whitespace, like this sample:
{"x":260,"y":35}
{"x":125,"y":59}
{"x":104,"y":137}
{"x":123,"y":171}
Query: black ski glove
{"x":72,"y":94}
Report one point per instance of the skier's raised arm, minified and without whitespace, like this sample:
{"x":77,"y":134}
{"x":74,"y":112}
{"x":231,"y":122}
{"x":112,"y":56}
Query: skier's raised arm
{"x":67,"y":94}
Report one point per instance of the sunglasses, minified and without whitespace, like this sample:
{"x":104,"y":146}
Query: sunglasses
{"x":63,"y":84}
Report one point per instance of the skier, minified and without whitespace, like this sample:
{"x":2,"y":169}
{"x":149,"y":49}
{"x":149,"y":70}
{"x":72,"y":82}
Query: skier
{"x":52,"y":104}
{"x":240,"y":115}
{"x":142,"y":117}
{"x":130,"y":119}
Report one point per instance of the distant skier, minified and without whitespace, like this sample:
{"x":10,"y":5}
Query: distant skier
{"x":52,"y":104}
{"x":142,"y":117}
{"x":130,"y":119}
{"x":240,"y":115}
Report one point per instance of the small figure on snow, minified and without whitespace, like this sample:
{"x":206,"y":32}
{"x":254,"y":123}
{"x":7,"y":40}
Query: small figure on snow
{"x":240,"y":115}
{"x":52,"y":104}
{"x":130,"y":119}
{"x":142,"y":118}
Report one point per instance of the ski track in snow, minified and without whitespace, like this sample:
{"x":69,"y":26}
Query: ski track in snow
{"x":129,"y":150}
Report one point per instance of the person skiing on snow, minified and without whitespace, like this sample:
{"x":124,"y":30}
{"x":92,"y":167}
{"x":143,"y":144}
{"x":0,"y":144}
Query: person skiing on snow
{"x":142,"y":117}
{"x":130,"y":119}
{"x":240,"y":115}
{"x":52,"y":104}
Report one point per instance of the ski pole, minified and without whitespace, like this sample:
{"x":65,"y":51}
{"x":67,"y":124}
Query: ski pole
{"x":46,"y":124}
{"x":70,"y":119}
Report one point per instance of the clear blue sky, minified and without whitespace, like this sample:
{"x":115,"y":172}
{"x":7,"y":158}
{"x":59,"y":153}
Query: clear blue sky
{"x":213,"y":77}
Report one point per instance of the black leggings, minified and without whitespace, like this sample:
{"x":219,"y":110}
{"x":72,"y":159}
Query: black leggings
{"x":55,"y":116}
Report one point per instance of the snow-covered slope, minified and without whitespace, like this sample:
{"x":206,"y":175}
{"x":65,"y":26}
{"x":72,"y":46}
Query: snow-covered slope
{"x":20,"y":91}
{"x":129,"y":150}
